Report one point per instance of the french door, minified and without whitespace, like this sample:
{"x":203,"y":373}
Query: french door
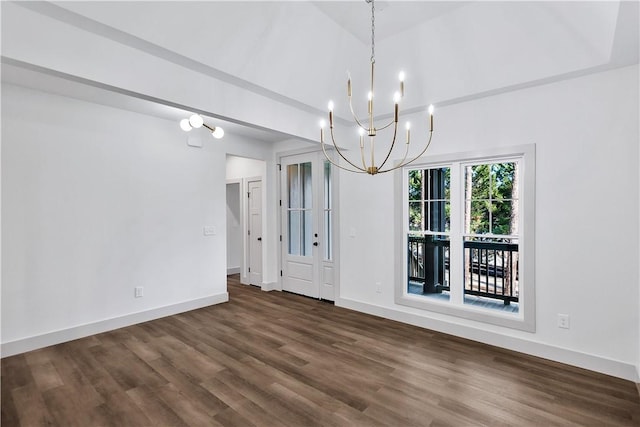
{"x":307,"y":226}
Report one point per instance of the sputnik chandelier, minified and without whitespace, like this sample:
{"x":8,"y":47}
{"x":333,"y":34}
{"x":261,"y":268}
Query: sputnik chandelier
{"x":370,"y":129}
{"x":196,"y":121}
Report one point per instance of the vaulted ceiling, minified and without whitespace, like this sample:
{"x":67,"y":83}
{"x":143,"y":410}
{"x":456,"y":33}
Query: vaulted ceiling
{"x":268,"y":64}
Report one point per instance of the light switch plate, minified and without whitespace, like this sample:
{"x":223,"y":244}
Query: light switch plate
{"x":209,"y":230}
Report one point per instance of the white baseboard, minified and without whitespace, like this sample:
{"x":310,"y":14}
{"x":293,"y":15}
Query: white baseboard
{"x":56,"y":337}
{"x":233,"y":270}
{"x":270,"y":286}
{"x":603,"y":365}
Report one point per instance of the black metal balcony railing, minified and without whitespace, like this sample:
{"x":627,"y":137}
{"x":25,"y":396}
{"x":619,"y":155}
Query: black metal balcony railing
{"x":429,"y":263}
{"x":491,"y":268}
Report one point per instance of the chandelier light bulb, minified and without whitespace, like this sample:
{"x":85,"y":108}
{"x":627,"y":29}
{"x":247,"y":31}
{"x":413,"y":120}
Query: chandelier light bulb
{"x":360,"y":131}
{"x":370,"y":96}
{"x":431,"y":118}
{"x":218,"y":132}
{"x":184,"y":125}
{"x":408,"y":125}
{"x":330,"y":106}
{"x":396,"y":97}
{"x":401,"y":76}
{"x":196,"y":121}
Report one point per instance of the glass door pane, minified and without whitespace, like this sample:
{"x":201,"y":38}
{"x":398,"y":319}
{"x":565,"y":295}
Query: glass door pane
{"x":299,"y":207}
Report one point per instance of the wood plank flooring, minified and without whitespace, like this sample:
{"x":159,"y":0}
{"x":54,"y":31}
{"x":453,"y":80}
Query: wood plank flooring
{"x":277,"y":359}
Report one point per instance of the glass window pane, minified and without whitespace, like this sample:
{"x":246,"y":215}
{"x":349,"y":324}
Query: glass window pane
{"x":293,"y":183}
{"x":501,"y":218}
{"x":328,"y":242}
{"x":428,"y":265}
{"x":294,"y":232}
{"x":438,"y":183}
{"x":439,"y":212}
{"x":415,"y":216}
{"x":479,"y":219}
{"x":307,"y":237}
{"x":502,"y":179}
{"x":305,"y":172}
{"x":327,"y":185}
{"x":415,"y":185}
{"x":491,"y":273}
{"x":477,"y":185}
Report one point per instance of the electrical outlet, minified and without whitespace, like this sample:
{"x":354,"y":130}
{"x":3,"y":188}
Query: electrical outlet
{"x":563,"y":321}
{"x":138,"y":292}
{"x":378,"y":287}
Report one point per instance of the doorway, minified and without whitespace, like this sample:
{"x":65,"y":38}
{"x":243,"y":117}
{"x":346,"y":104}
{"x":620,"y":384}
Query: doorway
{"x":234,"y":227}
{"x":307,"y":223}
{"x":242,"y":171}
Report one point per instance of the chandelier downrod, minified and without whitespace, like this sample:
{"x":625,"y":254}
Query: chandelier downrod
{"x":371,"y":130}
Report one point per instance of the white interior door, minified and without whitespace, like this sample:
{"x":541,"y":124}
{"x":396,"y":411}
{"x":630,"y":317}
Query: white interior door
{"x":254,"y":233}
{"x":307,"y":266}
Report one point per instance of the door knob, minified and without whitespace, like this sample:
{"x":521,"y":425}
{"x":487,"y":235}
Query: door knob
{"x":315,"y":243}
{"x":259,"y":239}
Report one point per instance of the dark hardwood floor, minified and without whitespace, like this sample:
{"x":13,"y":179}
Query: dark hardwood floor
{"x":277,"y":359}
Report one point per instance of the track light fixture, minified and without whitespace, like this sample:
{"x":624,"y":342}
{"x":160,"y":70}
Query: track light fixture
{"x":196,"y":121}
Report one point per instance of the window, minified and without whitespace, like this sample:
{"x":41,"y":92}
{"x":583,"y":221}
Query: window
{"x":467,"y":236}
{"x":328,"y":213}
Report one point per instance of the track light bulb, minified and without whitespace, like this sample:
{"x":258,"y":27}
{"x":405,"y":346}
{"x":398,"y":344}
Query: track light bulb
{"x":218,"y":132}
{"x":184,"y":125}
{"x":196,"y":121}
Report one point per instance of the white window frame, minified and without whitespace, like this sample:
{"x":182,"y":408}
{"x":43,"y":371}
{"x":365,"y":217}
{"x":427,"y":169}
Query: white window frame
{"x":525,"y":318}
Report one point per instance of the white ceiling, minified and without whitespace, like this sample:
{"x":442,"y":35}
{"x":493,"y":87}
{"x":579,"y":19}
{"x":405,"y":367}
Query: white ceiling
{"x":391,"y":17}
{"x":298,"y":53}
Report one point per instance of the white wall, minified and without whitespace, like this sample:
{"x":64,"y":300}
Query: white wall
{"x":234,"y":228}
{"x":97,"y":201}
{"x":242,"y":167}
{"x":587,"y":191}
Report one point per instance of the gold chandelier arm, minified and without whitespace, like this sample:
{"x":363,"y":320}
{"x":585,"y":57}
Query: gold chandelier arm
{"x":404,"y":163}
{"x":340,"y":152}
{"x":399,"y":165}
{"x":354,"y":115}
{"x":393,"y":143}
{"x":421,"y":153}
{"x":330,"y":160}
{"x":387,"y":125}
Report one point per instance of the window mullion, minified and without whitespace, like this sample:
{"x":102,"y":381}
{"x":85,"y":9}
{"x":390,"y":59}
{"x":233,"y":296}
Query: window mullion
{"x":456,"y":253}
